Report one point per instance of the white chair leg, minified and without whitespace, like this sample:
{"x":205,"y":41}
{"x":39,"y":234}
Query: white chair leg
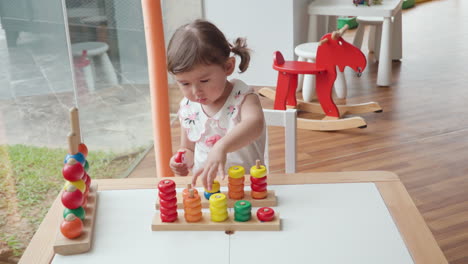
{"x":384,"y":74}
{"x":359,"y":36}
{"x":108,"y":69}
{"x":371,"y":39}
{"x":308,"y":87}
{"x":397,"y":45}
{"x":301,"y":77}
{"x":89,"y":78}
{"x":341,"y":89}
{"x":378,"y":38}
{"x":290,"y":140}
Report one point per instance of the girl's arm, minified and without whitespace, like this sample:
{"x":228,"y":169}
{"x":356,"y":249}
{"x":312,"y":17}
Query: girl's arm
{"x":249,"y":129}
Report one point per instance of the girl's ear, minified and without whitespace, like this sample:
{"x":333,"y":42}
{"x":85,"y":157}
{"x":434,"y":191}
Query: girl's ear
{"x":230,"y":65}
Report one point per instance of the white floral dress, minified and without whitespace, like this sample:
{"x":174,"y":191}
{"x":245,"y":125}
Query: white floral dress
{"x":206,"y":131}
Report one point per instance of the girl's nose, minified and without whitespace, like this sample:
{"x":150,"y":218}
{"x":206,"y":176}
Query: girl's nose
{"x":195,"y":88}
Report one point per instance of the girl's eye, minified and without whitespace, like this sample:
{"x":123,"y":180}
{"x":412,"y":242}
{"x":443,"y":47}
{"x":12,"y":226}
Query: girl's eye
{"x":204,"y":81}
{"x":184,"y":84}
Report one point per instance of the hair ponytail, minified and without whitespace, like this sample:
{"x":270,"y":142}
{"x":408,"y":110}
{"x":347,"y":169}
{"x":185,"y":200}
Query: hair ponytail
{"x":240,"y":48}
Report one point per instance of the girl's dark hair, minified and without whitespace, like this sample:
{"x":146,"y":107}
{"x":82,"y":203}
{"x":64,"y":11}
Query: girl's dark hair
{"x":201,"y":42}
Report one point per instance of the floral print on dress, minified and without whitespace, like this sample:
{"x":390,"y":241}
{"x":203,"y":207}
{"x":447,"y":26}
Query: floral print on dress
{"x":210,"y":141}
{"x":200,"y":127}
{"x":231,"y":110}
{"x":237,"y":95}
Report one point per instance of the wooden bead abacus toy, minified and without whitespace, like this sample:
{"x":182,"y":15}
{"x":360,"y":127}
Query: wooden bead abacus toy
{"x":79,"y":197}
{"x":259,"y":196}
{"x":219,"y":218}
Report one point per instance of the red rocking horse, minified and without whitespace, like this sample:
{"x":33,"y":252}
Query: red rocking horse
{"x":332,"y":52}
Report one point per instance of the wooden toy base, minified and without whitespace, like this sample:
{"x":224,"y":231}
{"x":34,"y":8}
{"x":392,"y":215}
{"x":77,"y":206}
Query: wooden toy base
{"x":269,"y":201}
{"x":81,"y":244}
{"x":207,"y":225}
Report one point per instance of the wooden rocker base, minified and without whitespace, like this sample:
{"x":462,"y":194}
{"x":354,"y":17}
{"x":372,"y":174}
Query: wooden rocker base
{"x":269,"y":201}
{"x":207,"y":225}
{"x":81,"y":244}
{"x":329,"y":123}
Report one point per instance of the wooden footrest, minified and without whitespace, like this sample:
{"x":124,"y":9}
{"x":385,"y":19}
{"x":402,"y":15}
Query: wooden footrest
{"x":81,"y":244}
{"x":207,"y":225}
{"x":269,"y":201}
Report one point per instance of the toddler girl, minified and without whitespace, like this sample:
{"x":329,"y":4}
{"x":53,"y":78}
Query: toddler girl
{"x":221,"y":120}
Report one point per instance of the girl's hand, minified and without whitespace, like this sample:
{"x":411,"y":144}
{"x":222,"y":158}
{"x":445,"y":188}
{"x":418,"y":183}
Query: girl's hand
{"x":214,"y":166}
{"x":182,"y":169}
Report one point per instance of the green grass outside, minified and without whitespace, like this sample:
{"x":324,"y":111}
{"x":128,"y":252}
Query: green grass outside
{"x":31,"y":178}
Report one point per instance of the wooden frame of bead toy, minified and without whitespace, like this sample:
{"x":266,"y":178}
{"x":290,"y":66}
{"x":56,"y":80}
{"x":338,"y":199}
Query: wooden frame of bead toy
{"x":219,"y":219}
{"x":79,"y":197}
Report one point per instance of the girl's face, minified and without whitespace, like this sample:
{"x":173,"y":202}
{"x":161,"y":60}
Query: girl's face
{"x":205,"y":83}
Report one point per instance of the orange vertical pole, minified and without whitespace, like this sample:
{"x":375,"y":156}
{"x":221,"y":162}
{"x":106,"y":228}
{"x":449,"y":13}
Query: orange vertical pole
{"x":156,"y":52}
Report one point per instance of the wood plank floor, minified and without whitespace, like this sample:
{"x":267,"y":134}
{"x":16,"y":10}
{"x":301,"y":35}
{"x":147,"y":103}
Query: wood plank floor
{"x":422,"y":135}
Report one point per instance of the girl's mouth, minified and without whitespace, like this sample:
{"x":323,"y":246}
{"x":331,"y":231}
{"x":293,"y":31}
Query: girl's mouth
{"x":201,"y":100}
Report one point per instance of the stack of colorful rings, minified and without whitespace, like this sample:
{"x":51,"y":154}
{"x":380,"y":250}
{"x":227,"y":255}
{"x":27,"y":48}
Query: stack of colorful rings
{"x":167,"y":200}
{"x":258,"y":180}
{"x":236,"y":182}
{"x":242,"y":211}
{"x":192,"y":207}
{"x":218,"y":207}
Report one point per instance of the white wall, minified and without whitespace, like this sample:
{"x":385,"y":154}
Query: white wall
{"x":268,"y":25}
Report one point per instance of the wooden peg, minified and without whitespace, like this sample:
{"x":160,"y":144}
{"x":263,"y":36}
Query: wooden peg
{"x":257,"y":163}
{"x":339,"y":33}
{"x":75,"y":123}
{"x":72,"y":146}
{"x":191,"y":193}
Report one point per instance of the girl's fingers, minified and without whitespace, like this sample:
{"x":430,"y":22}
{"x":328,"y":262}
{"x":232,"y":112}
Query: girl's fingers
{"x":196,"y":175}
{"x":221,"y":172}
{"x":211,"y":176}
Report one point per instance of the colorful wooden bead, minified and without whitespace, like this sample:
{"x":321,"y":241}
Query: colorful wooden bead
{"x":179,"y":158}
{"x":265,"y":214}
{"x":86,"y":166}
{"x":71,"y":227}
{"x":80,"y":185}
{"x":168,"y":218}
{"x":258,"y":171}
{"x":214,"y":188}
{"x":236,"y":172}
{"x":208,"y":194}
{"x":78,"y":212}
{"x":82,"y":148}
{"x":168,"y":210}
{"x":72,"y":198}
{"x":87,"y":180}
{"x":78,"y":157}
{"x":259,"y":195}
{"x":166,"y":185}
{"x":259,"y":187}
{"x":258,"y":180}
{"x":167,"y":196}
{"x":168,"y":203}
{"x":73,"y":170}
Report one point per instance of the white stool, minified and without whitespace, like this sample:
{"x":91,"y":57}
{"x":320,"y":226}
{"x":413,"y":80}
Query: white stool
{"x":100,"y":63}
{"x":375,"y":34}
{"x":307,"y":52}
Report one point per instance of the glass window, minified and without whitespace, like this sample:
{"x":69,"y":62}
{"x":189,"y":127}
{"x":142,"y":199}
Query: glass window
{"x":106,"y":76}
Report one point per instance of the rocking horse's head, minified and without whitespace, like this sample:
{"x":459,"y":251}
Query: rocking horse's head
{"x":338,"y":52}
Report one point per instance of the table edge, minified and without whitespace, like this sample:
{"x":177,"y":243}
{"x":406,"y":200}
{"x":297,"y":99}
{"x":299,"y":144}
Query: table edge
{"x":40,"y":249}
